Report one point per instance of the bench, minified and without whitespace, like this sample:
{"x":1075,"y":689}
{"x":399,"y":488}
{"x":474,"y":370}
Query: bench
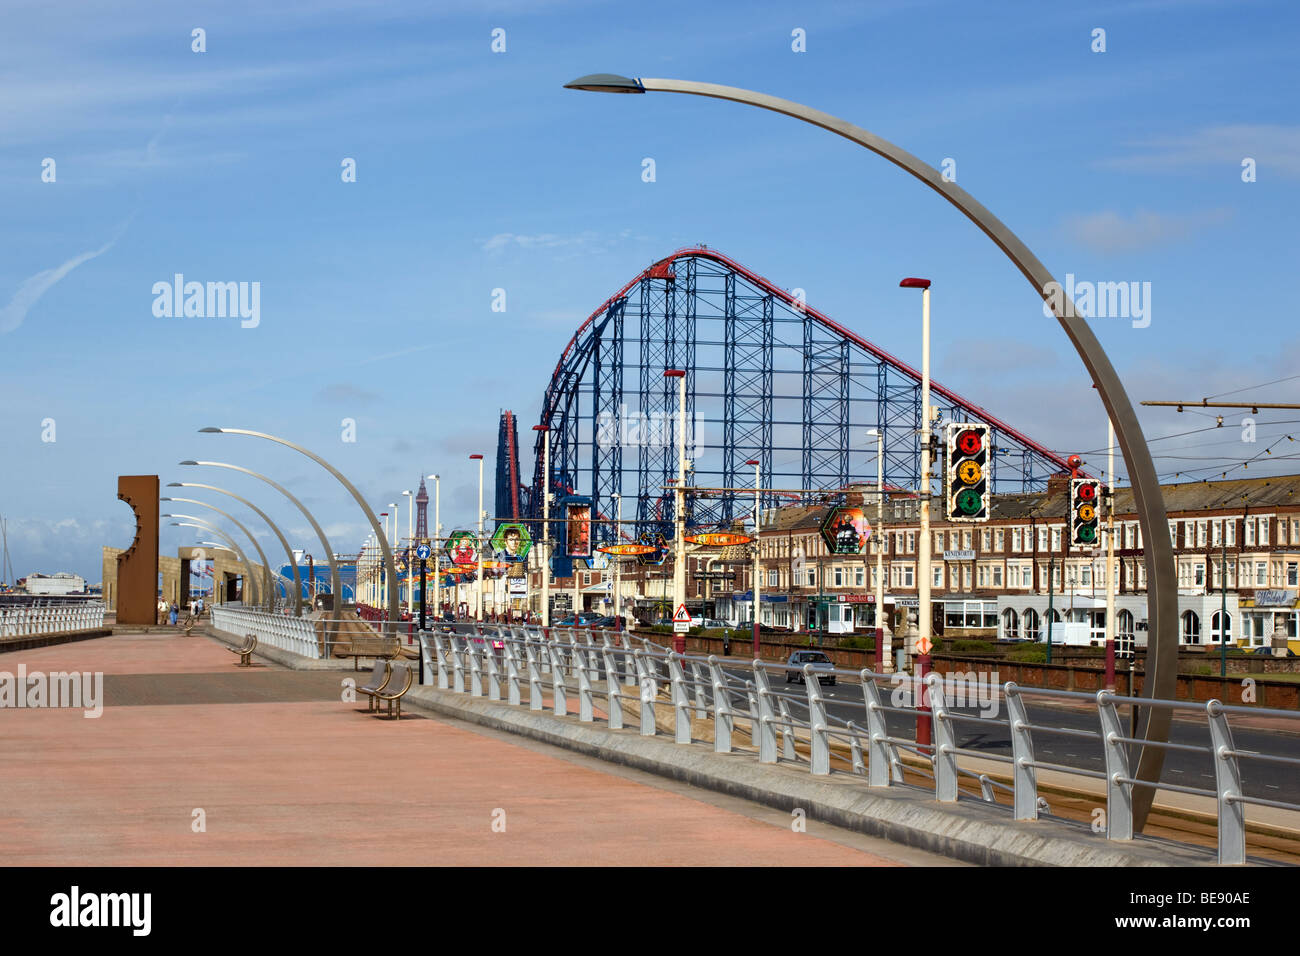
{"x":397,"y":679}
{"x":378,"y":680}
{"x":245,"y":651}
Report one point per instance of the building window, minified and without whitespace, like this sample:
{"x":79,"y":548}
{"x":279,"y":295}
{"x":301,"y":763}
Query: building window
{"x":983,"y":576}
{"x":939,"y":538}
{"x":857,"y":577}
{"x":839,"y":576}
{"x":772,"y":578}
{"x":966,"y":576}
{"x":938,"y":575}
{"x":1191,"y":628}
{"x":1249,"y":538}
{"x":1261,"y":573}
{"x":1031,"y":624}
{"x":1200,"y":534}
{"x":1085,"y":576}
{"x":874,"y":575}
{"x":997,"y":575}
{"x":986,"y":540}
{"x":1263,"y":531}
{"x":1042,"y":539}
{"x":911,"y":542}
{"x":1216,"y":533}
{"x":1231,"y":526}
{"x":908,"y":580}
{"x":1291,"y":574}
{"x":966,"y":541}
{"x":1199,"y":577}
{"x":1010,"y":624}
{"x":1016,"y":538}
{"x":1217,"y":631}
{"x":1056,"y":539}
{"x":1000,"y":540}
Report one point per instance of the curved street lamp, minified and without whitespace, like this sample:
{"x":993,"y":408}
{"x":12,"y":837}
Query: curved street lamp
{"x":293,"y":562}
{"x":268,"y":597}
{"x":393,"y":616}
{"x":203,"y":525}
{"x":1162,"y":597}
{"x":209,"y":544}
{"x":335,"y":584}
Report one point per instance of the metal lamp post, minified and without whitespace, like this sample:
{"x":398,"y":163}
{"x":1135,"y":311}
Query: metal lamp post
{"x":546,"y":523}
{"x":1162,"y":650}
{"x":356,"y":495}
{"x":478,"y":584}
{"x":266,"y":565}
{"x":758,"y":554}
{"x":284,"y":542}
{"x":679,"y":507}
{"x":884,"y":651}
{"x":924,"y":614}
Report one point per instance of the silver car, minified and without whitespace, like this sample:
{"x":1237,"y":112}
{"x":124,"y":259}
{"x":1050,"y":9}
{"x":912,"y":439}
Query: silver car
{"x":819,"y":661}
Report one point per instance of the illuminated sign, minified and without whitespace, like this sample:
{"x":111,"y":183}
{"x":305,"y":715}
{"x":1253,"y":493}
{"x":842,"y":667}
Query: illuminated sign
{"x":510,"y":542}
{"x":718,"y":539}
{"x":625,"y":549}
{"x":846,"y":530}
{"x":460,"y":547}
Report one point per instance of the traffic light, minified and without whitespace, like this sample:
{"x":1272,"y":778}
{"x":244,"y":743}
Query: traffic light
{"x":1085,"y":522}
{"x":968,"y":471}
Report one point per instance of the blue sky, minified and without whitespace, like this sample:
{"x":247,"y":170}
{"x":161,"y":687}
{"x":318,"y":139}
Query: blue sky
{"x":475,"y":170}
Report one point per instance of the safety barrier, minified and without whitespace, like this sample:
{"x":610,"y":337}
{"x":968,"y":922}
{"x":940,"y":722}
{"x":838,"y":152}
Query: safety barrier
{"x":295,"y":634}
{"x":33,"y":619}
{"x":598,"y":666}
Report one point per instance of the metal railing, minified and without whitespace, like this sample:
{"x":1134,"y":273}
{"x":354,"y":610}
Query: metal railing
{"x":295,"y":634}
{"x":34,"y":619}
{"x":600,"y":666}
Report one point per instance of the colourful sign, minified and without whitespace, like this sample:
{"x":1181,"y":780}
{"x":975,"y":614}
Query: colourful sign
{"x":578,"y":525}
{"x":626,"y":549}
{"x":511,"y":541}
{"x":659,"y":549}
{"x":846,"y":530}
{"x":460,"y":547}
{"x":718,"y":539}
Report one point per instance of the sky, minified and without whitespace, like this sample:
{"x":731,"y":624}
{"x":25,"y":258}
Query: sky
{"x":127,"y":156}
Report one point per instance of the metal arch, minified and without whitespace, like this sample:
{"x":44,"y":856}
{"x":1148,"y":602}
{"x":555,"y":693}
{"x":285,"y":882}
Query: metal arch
{"x":284,"y":542}
{"x":1162,"y":600}
{"x":203,"y":525}
{"x":268,"y":597}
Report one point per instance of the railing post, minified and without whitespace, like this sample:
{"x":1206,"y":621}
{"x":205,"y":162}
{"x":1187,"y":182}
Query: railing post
{"x":945,"y":761}
{"x":458,"y":646}
{"x":512,"y":669}
{"x":751,"y":696}
{"x":440,"y":649}
{"x":819,"y":743}
{"x":426,"y":659}
{"x":681,"y":702}
{"x":855,"y":748}
{"x":613,"y":698}
{"x":787,"y":730}
{"x":1227,"y":782}
{"x":586,"y":709}
{"x":493,"y":672}
{"x":534,"y":675}
{"x":648,"y":694}
{"x":723,"y":719}
{"x":1119,"y":796}
{"x":1022,"y":755}
{"x":882,"y":761}
{"x":475,"y":670}
{"x":560,"y":704}
{"x":764,"y":723}
{"x":698,"y":682}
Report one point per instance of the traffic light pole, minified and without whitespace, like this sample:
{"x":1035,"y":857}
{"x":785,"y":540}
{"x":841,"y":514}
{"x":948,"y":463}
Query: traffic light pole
{"x":923,"y":613}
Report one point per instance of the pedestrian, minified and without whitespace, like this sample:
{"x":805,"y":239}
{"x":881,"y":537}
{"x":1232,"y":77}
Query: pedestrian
{"x":172,"y":611}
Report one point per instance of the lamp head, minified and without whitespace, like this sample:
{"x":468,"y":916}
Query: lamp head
{"x":606,"y":83}
{"x":189,"y":462}
{"x":211,"y":431}
{"x":913,"y":283}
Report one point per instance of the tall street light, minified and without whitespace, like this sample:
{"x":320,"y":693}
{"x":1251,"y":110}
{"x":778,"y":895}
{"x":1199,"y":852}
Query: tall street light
{"x":335,"y":582}
{"x":924,"y":614}
{"x":410,"y":544}
{"x":1162,"y":601}
{"x":356,"y":496}
{"x":882,"y":642}
{"x":679,"y":506}
{"x":203,"y":525}
{"x":437,"y":535}
{"x":546,"y":523}
{"x":478,"y":584}
{"x":618,"y":562}
{"x":284,"y":542}
{"x":758,"y":554}
{"x":267,"y":598}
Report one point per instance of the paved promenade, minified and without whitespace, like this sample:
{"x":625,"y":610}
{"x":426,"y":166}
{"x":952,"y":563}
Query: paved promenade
{"x":285,"y":772}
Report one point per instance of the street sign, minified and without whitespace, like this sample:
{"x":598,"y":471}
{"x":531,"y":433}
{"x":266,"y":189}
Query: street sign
{"x":423,"y":551}
{"x":681,"y":620}
{"x":923,"y":645}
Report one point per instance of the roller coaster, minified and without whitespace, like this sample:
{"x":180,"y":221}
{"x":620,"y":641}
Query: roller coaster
{"x":768,"y":379}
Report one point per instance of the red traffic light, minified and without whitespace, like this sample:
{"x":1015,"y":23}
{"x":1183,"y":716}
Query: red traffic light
{"x":1086,"y":491}
{"x":970,"y":442}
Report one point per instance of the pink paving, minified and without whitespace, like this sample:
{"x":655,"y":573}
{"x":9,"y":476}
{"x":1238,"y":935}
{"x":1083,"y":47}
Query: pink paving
{"x":315,"y":782}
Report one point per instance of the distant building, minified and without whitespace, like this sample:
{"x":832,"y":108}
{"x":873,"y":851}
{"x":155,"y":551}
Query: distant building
{"x":60,"y":583}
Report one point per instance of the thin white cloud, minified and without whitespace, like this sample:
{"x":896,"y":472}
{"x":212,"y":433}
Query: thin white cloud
{"x":13,"y":314}
{"x":1274,"y":147}
{"x":1109,"y":231}
{"x":544,"y":240}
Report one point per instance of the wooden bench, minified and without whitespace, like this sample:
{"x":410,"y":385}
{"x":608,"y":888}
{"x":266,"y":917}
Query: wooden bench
{"x":389,"y":682}
{"x":245,"y":651}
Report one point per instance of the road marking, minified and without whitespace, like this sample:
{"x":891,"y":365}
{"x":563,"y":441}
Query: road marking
{"x":1271,"y":787}
{"x":1174,"y":771}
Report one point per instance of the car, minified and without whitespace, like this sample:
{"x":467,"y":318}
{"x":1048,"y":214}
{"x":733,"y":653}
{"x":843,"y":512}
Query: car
{"x":713,"y":624}
{"x":582,"y":620}
{"x":1268,"y":652}
{"x":605,"y":622}
{"x":819,"y":661}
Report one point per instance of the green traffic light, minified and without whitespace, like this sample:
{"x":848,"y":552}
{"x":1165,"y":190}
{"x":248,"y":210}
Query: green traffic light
{"x":969,"y":502}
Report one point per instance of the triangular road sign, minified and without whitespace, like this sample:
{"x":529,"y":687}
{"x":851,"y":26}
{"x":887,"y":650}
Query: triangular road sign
{"x":682,"y":616}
